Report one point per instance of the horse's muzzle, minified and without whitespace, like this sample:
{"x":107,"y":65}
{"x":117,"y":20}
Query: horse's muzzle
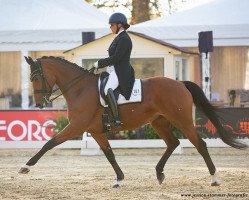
{"x":39,"y":105}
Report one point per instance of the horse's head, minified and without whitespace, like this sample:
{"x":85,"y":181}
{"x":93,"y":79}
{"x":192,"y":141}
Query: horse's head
{"x":41,"y":85}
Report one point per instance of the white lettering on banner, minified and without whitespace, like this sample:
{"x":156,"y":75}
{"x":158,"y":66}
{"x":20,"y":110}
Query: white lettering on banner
{"x":24,"y":132}
{"x":2,"y":128}
{"x":36,"y":133}
{"x":32,"y":130}
{"x":45,"y":125}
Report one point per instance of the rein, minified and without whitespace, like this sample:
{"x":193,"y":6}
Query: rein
{"x":50,"y":91}
{"x":69,"y":85}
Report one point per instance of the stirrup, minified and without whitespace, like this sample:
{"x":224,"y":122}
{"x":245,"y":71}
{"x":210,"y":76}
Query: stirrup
{"x":116,"y":123}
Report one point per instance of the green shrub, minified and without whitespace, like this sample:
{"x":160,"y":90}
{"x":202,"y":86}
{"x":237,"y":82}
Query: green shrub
{"x":60,"y":123}
{"x":149,"y":132}
{"x":177,"y":133}
{"x":145,"y":132}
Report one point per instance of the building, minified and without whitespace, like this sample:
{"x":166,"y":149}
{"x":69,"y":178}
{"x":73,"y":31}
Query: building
{"x":229,"y":21}
{"x":149,"y":57}
{"x":37,"y":28}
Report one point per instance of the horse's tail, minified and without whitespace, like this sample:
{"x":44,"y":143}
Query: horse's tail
{"x":202,"y":103}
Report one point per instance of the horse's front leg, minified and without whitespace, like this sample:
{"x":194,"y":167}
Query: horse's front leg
{"x":106,"y":148}
{"x":67,"y":133}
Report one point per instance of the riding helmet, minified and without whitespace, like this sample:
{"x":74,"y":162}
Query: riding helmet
{"x":119,"y":18}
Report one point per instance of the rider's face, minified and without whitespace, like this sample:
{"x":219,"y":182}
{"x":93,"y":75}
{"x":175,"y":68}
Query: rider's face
{"x":114,"y":27}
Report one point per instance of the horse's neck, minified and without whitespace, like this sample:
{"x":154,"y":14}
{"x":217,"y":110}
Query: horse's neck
{"x":72,"y":81}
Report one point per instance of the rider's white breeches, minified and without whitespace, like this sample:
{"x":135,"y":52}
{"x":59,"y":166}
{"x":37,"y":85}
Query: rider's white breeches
{"x":112,"y":81}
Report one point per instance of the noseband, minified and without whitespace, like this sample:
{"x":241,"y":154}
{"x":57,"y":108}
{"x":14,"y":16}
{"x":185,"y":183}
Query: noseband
{"x":47,"y":92}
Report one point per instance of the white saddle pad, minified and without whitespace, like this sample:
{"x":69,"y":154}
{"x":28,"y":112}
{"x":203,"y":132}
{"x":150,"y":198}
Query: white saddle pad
{"x":136,"y":94}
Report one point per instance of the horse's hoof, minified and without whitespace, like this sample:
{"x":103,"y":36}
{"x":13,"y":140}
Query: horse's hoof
{"x":24,"y":169}
{"x":160,"y":177}
{"x":116,"y":184}
{"x":215,"y":183}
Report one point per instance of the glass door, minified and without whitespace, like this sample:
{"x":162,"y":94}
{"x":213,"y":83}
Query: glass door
{"x":181,"y":69}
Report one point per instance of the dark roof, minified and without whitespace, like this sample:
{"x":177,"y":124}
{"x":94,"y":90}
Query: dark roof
{"x":181,"y":49}
{"x":184,"y":50}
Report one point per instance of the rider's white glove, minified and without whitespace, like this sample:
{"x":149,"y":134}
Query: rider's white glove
{"x":96,"y":65}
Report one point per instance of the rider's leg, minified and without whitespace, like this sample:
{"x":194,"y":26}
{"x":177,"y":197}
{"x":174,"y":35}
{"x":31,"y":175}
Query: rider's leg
{"x":111,"y":85}
{"x":112,"y":82}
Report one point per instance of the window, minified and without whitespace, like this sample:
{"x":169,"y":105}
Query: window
{"x":88,"y":63}
{"x":181,"y":69}
{"x":144,"y":67}
{"x":148,"y":67}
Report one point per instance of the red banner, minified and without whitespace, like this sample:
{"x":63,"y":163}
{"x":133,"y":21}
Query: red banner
{"x":27,"y":125}
{"x":234,"y":119}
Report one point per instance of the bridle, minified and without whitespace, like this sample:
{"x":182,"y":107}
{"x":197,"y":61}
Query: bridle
{"x":48,"y":91}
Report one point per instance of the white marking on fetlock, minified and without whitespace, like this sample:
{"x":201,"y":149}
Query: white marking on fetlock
{"x":26,"y":166}
{"x":214,"y":179}
{"x":24,"y":169}
{"x":116,"y":184}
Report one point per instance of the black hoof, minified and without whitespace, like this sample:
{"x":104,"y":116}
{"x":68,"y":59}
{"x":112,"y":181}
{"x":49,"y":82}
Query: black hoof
{"x":116,"y":185}
{"x":160,"y":177}
{"x":215,"y":184}
{"x":24,"y":170}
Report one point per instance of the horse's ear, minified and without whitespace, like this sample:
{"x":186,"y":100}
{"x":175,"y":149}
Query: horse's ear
{"x":31,"y":63}
{"x":26,"y":58}
{"x":29,"y":60}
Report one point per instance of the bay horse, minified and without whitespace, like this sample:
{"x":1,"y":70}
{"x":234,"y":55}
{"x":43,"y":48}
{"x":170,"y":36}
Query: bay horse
{"x":166,"y":103}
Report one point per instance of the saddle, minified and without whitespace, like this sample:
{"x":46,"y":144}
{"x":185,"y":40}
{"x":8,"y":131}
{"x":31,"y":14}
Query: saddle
{"x":104,"y":76}
{"x":106,"y":116}
{"x":136,"y":96}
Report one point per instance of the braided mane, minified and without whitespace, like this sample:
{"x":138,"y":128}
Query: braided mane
{"x":65,"y":61}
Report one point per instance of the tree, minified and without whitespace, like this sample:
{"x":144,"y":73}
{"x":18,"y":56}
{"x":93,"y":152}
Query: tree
{"x":141,"y":10}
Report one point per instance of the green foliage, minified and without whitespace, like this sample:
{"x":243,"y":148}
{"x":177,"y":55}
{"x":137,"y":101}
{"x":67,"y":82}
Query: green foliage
{"x":177,"y":133}
{"x":149,"y":132}
{"x":202,"y":134}
{"x":145,"y":132}
{"x":61,"y":122}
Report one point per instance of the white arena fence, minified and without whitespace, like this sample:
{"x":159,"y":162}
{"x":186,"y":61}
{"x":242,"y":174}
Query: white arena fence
{"x":89,"y":146}
{"x":30,"y":129}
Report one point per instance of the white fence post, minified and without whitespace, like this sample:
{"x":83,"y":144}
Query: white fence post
{"x":91,"y":148}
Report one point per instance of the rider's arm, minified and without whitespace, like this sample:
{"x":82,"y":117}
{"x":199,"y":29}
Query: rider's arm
{"x":123,"y":45}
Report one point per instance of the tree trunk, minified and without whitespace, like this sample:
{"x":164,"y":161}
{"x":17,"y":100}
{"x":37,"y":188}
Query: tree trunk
{"x":140,"y":11}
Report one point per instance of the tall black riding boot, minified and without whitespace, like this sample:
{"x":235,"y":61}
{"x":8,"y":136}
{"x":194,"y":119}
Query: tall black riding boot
{"x":114,"y":108}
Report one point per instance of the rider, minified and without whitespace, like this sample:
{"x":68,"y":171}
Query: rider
{"x":120,"y":70}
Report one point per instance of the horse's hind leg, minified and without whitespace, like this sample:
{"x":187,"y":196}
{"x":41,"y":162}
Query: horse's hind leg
{"x":106,"y":148}
{"x":164,"y":130}
{"x":185,"y":124}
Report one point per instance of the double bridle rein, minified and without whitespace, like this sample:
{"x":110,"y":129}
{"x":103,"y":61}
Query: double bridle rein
{"x":48,"y":91}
